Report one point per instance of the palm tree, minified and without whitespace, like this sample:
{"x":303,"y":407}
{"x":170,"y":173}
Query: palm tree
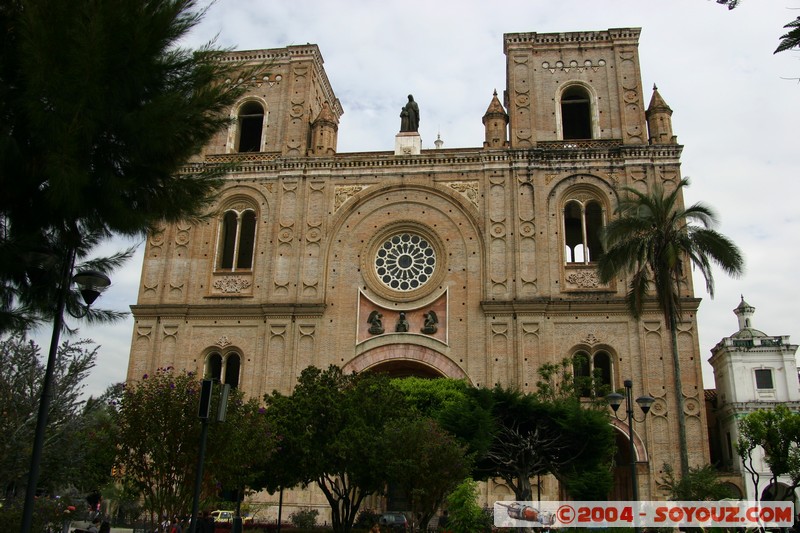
{"x":651,"y":239}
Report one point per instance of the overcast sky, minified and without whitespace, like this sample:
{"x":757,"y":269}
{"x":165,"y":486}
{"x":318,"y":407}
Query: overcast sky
{"x":736,"y":111}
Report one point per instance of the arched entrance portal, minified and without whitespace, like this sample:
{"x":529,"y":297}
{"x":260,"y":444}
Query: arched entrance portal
{"x":623,"y":485}
{"x":403,"y":360}
{"x":621,"y":491}
{"x":400,"y":368}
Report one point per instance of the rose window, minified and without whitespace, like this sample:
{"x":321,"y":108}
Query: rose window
{"x":405,"y":262}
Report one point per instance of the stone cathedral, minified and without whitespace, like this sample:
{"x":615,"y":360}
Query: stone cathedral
{"x":471,"y":263}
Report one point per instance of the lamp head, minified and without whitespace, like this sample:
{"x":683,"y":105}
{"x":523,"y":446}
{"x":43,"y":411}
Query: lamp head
{"x":91,"y":283}
{"x":614,"y":400}
{"x":645,"y":402}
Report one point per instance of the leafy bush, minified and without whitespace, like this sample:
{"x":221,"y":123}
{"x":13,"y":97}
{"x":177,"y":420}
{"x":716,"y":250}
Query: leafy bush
{"x":465,"y":515}
{"x":366,"y":518}
{"x":304,"y":518}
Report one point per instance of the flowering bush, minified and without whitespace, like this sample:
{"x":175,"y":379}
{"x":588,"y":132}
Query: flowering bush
{"x":49,"y":514}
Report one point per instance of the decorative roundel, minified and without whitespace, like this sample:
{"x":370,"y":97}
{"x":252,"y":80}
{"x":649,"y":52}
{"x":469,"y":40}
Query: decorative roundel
{"x":405,"y":262}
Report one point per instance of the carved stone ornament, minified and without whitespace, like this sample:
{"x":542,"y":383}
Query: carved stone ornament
{"x":585,"y":279}
{"x":223,"y":341}
{"x":231,"y":284}
{"x":591,"y":340}
{"x":469,"y":189}
{"x":342,"y":194}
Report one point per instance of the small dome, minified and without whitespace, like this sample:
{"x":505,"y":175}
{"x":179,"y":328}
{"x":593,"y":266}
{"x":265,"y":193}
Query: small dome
{"x":748,"y":333}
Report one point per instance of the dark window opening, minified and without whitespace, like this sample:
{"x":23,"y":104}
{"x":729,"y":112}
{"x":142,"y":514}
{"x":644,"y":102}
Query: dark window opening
{"x":592,"y":374}
{"x":214,"y":367}
{"x":251,"y":124}
{"x":602,"y":368}
{"x":247,"y":240}
{"x":582,"y":228}
{"x":764,"y":379}
{"x":594,"y":223}
{"x":576,"y":118}
{"x":573,"y":232}
{"x":582,"y":374}
{"x":237,"y":240}
{"x":232,"y":364}
{"x":229,"y":230}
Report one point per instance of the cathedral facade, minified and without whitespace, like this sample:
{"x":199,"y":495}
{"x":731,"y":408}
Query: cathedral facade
{"x":471,"y":263}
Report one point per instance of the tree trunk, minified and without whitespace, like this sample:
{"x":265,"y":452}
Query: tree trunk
{"x":676,"y":368}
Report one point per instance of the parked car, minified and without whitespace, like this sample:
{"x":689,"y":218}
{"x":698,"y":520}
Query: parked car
{"x":227,"y":517}
{"x":222,"y":516}
{"x":394,"y":521}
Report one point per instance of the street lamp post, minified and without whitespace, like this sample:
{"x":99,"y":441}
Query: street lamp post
{"x":90,"y":283}
{"x":615,"y":400}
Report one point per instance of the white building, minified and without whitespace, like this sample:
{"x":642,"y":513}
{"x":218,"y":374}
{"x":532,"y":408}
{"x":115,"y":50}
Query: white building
{"x":752,"y":371}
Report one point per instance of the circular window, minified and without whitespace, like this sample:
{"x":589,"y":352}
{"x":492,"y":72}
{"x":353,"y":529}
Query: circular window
{"x":405,"y":262}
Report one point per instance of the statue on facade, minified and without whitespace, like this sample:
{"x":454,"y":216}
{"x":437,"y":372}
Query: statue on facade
{"x":402,"y":324}
{"x":375,"y":323}
{"x":409,"y":116}
{"x":429,"y":327}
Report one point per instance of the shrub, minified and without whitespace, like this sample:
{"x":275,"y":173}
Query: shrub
{"x":304,"y":518}
{"x":366,"y":519}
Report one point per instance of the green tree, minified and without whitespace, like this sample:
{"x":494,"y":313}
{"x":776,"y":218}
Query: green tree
{"x":98,"y":441}
{"x":777,"y":432}
{"x":64,"y":455}
{"x":426,"y":464}
{"x":702,"y":484}
{"x":533,"y":437}
{"x":101,"y":108}
{"x":464,"y":513}
{"x":332,"y":430}
{"x":159,"y":435}
{"x":431,"y":397}
{"x":652,"y":238}
{"x":244,"y":446}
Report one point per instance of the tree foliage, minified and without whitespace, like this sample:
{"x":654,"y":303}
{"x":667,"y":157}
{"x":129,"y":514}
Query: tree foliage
{"x":790,"y":39}
{"x":432,"y":397}
{"x":531,"y":437}
{"x":464,"y":513}
{"x":159,"y":440}
{"x":426,"y":464}
{"x":65,"y":456}
{"x":702,"y":484}
{"x":333,"y":433}
{"x":777,"y":432}
{"x":651,"y":239}
{"x":101,"y":108}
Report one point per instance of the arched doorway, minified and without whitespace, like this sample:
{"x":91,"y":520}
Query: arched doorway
{"x":406,"y":360}
{"x":403,"y":368}
{"x":621,"y":491}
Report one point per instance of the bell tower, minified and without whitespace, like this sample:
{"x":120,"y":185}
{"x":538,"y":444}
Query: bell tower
{"x":574,"y":86}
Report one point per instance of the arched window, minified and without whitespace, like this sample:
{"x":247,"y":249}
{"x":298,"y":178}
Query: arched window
{"x":232,"y":364}
{"x":601,"y":363}
{"x":237,"y":240}
{"x":251,"y":126}
{"x":576,"y":113}
{"x":582,"y":225}
{"x":223,"y":369}
{"x":582,"y":373}
{"x":213,"y":368}
{"x":592,"y":373}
